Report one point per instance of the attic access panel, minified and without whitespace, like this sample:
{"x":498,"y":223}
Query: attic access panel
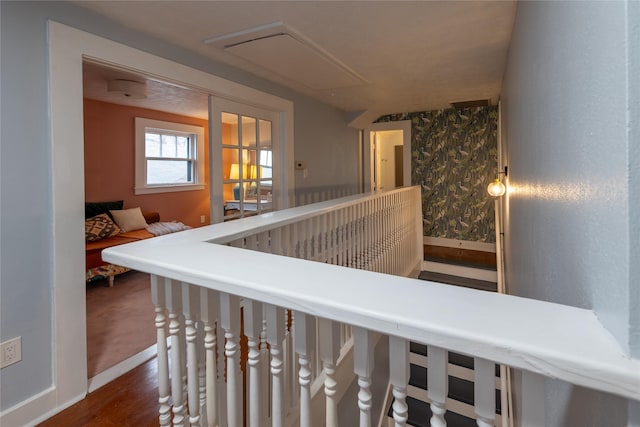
{"x":279,"y":49}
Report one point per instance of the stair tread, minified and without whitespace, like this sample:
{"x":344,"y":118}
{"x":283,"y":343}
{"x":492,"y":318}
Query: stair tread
{"x":458,"y":281}
{"x":461,"y":263}
{"x":459,"y":389}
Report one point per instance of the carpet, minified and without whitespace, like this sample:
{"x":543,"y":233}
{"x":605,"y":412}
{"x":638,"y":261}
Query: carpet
{"x":120,"y":320}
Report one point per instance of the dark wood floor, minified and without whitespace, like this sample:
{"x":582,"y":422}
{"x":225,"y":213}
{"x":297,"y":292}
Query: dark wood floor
{"x":131,"y":400}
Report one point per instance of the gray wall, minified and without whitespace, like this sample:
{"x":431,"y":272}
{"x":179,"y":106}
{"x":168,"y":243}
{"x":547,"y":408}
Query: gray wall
{"x":25,"y":203}
{"x":569,"y":216}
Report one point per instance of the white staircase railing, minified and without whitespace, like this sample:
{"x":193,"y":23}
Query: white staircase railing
{"x":293,"y":308}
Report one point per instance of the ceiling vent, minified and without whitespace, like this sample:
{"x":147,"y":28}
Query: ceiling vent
{"x":284,"y":51}
{"x":470,"y":104}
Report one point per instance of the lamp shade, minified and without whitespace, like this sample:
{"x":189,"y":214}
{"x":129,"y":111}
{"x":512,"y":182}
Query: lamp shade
{"x":496,"y":188}
{"x":234,"y":173}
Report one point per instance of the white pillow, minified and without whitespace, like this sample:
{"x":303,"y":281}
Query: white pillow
{"x":129,"y":219}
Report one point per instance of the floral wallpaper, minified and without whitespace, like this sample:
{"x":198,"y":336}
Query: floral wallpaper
{"x":453,"y":158}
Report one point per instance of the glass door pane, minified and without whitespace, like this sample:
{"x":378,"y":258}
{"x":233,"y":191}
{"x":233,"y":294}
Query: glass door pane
{"x":246,"y":162}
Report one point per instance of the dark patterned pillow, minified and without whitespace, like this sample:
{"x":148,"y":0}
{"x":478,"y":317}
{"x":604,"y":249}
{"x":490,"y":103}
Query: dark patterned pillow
{"x":99,"y":227}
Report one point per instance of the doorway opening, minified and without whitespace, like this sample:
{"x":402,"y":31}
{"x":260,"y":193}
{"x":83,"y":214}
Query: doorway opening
{"x":387,"y":156}
{"x":68,"y":49}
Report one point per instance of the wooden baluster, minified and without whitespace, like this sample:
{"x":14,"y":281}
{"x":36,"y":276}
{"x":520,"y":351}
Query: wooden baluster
{"x":363,"y":367}
{"x":265,"y":370}
{"x":305,"y":341}
{"x":399,"y":378}
{"x":331,"y":242}
{"x":290,"y":362}
{"x":329,"y":346}
{"x":315,"y":233}
{"x":221,"y":385}
{"x":174,"y":305}
{"x":190,"y":309}
{"x":484,"y":388}
{"x":252,"y":329}
{"x":339,"y":230}
{"x":202,"y":370}
{"x":308,"y":239}
{"x":437,"y":384}
{"x":230,"y":322}
{"x":275,"y":336}
{"x":276,"y":241}
{"x":209,"y":303}
{"x":158,"y":296}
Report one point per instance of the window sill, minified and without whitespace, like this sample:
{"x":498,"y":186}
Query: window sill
{"x":167,"y":188}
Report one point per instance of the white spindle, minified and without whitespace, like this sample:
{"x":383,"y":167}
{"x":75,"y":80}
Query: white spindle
{"x":329,"y":334}
{"x":158,"y":296}
{"x":363,"y":367}
{"x":275,"y":336}
{"x":191,"y":310}
{"x":220,"y":365}
{"x":399,"y":378}
{"x":230,"y":322}
{"x":485,"y":392}
{"x":174,"y":306}
{"x":305,"y":339}
{"x":437,"y":384}
{"x":202,"y":367}
{"x":252,"y":329}
{"x":209,"y":303}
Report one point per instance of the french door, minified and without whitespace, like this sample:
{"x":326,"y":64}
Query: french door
{"x":245,"y":166}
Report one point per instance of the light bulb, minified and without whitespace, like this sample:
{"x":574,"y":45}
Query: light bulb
{"x":496,"y":188}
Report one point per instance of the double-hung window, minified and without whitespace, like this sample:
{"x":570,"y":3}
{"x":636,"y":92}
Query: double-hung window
{"x":169,"y":157}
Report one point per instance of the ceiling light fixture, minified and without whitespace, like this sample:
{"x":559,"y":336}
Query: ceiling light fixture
{"x":128,"y":88}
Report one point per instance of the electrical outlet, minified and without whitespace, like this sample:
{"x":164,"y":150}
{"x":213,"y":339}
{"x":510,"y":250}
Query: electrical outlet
{"x":201,"y":219}
{"x":11,"y":352}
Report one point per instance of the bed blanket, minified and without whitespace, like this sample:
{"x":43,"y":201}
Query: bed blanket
{"x":160,"y":228}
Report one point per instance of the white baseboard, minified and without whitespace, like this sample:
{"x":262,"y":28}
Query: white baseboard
{"x":44,"y":405}
{"x":121,"y":368}
{"x":461,"y":271}
{"x":460,"y":244}
{"x":35,"y":409}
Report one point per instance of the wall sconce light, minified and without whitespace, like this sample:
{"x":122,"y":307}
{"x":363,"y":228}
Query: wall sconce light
{"x":496,"y":188}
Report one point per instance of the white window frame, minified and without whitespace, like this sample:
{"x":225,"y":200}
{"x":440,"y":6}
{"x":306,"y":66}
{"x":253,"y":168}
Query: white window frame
{"x":141,"y":186}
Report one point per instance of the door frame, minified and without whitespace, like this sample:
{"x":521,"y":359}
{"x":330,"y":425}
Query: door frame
{"x":68,"y":47}
{"x":367,"y":159}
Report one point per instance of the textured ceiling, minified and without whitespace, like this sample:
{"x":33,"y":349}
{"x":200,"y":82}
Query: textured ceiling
{"x":413,"y":56}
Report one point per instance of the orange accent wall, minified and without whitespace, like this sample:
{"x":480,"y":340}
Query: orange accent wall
{"x":109,"y":158}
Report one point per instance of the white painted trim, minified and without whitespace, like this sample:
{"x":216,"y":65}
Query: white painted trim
{"x":123,"y":367}
{"x":405,"y":127}
{"x":460,"y":244}
{"x":36,"y":409}
{"x":140,"y":181}
{"x":459,"y":270}
{"x":68,"y":47}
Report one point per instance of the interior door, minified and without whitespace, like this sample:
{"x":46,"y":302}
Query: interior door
{"x":245,"y":153}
